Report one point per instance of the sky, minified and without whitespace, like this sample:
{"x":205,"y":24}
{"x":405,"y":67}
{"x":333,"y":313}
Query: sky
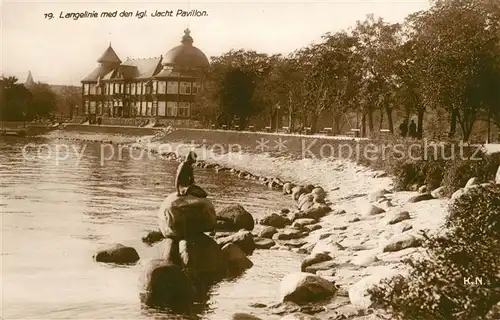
{"x":64,"y":50}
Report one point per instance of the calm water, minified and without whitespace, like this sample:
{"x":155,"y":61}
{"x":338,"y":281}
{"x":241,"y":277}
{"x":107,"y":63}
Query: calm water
{"x":56,"y":215}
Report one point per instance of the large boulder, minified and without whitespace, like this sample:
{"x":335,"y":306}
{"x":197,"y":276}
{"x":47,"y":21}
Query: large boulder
{"x":235,"y":218}
{"x":275,"y":220}
{"x":153,"y":237}
{"x":244,"y":316}
{"x":313,"y":259}
{"x":182,"y":216}
{"x":371,"y":210}
{"x":117,"y":253}
{"x":302,"y":288}
{"x":267,"y":232}
{"x":243,"y":239}
{"x":307,"y":197}
{"x":235,"y":258}
{"x":359,"y":292}
{"x":202,"y":257}
{"x":165,"y":284}
{"x":287,"y":188}
{"x":297,"y":191}
{"x":400,"y":242}
{"x":317,"y":211}
{"x":421,"y":197}
{"x":378,"y":194}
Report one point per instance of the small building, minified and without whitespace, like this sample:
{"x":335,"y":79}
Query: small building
{"x":162,"y":87}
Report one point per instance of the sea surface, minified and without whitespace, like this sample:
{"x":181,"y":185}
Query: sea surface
{"x":62,"y":201}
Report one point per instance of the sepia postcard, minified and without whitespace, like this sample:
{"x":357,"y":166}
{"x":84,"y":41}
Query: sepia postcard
{"x":271,"y":160}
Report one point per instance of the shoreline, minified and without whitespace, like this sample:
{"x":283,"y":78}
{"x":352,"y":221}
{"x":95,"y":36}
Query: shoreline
{"x":361,"y":236}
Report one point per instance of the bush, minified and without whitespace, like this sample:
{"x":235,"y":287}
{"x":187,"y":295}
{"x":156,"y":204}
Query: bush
{"x":460,"y":171}
{"x":445,"y":285}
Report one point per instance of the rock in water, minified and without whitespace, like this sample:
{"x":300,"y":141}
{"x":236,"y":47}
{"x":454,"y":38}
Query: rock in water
{"x":201,"y":257}
{"x":302,"y":288}
{"x":243,"y":239}
{"x":244,"y":316}
{"x":235,"y":258}
{"x":181,"y":216}
{"x":236,"y":218}
{"x":153,"y":237}
{"x":165,"y":284}
{"x":117,"y":253}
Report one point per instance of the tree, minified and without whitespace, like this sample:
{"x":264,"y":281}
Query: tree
{"x":378,"y":43}
{"x":461,"y":41}
{"x":17,"y":100}
{"x":43,"y":104}
{"x":235,"y":76}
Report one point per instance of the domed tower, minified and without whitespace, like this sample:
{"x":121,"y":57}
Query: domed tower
{"x":186,"y":56}
{"x":180,"y":79}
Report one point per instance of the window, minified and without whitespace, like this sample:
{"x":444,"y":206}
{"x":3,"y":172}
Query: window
{"x":111,"y":89}
{"x":155,"y":86}
{"x":92,"y":89}
{"x":137,"y":88}
{"x":107,"y":108}
{"x":161,"y":108}
{"x":143,"y":108}
{"x":196,"y":87}
{"x":153,"y":109}
{"x":184,"y":109}
{"x":127,"y":88}
{"x":86,"y":107}
{"x":172,"y":87}
{"x":99,"y":108}
{"x":162,"y":87}
{"x":92,"y":107}
{"x":185,"y":87}
{"x":171,"y":109}
{"x":149,"y":105}
{"x":148,"y":87}
{"x":132,"y":88}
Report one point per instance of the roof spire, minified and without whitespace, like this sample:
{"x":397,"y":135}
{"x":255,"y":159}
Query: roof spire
{"x":29,"y":80}
{"x":109,"y":56}
{"x":187,"y":39}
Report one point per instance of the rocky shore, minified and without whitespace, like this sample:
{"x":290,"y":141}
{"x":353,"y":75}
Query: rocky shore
{"x":351,"y":227}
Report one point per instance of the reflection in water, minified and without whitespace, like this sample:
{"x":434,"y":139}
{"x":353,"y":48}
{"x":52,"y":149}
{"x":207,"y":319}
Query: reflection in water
{"x":56,"y":214}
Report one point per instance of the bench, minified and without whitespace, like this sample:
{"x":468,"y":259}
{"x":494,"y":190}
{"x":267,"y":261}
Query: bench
{"x":306,"y":130}
{"x":285,"y":129}
{"x":236,"y":127}
{"x":354,"y":132}
{"x":385,"y":131}
{"x":251,"y":128}
{"x":224,"y":127}
{"x":267,"y":129}
{"x":326,"y":131}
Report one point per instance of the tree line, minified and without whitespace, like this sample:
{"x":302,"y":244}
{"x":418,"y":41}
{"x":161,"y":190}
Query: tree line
{"x":37,"y":101}
{"x":443,"y":62}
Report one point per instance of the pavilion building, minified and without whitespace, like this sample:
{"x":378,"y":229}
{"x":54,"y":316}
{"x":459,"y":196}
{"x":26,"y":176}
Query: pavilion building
{"x":162,"y":87}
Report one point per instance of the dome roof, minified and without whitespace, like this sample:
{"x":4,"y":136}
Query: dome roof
{"x":186,"y":55}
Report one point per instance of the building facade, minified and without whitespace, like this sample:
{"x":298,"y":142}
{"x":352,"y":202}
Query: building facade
{"x":160,"y":87}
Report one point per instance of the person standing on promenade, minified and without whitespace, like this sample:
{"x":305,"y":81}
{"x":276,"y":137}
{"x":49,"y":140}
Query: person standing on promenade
{"x":403,"y":128}
{"x":413,"y":129}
